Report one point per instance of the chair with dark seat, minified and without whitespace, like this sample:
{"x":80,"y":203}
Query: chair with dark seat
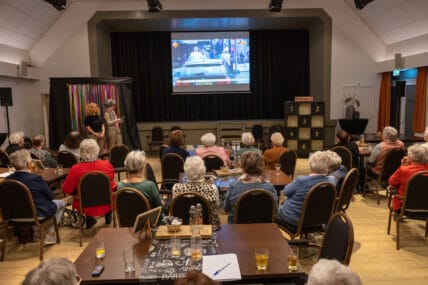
{"x":4,"y":158}
{"x":345,"y":154}
{"x":255,"y":206}
{"x":346,"y":191}
{"x":66,"y":158}
{"x":117,"y":155}
{"x":157,"y":138}
{"x":129,"y":203}
{"x":161,"y":148}
{"x":316,"y":211}
{"x":392,"y":162}
{"x":181,"y":203}
{"x":171,"y":167}
{"x":212,"y":162}
{"x":415,"y":203}
{"x":259,"y":136}
{"x":94,"y":189}
{"x":288,"y":160}
{"x":17,"y":208}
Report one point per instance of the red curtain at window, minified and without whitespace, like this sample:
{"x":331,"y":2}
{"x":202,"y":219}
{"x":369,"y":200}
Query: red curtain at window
{"x":419,"y":114}
{"x":384,"y":101}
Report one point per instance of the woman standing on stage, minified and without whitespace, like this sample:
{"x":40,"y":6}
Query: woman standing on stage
{"x":94,"y":124}
{"x":114,"y":135}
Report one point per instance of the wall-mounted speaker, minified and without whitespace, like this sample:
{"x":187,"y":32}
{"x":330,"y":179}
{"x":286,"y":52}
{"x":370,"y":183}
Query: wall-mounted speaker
{"x":23,"y":68}
{"x":6,"y":96}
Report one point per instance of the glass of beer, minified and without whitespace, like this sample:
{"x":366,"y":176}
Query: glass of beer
{"x":292,"y":259}
{"x":175,"y":245}
{"x":100,"y":250}
{"x":262,"y":257}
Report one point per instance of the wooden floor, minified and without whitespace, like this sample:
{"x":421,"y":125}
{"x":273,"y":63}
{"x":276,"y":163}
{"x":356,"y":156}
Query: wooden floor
{"x":374,"y":258}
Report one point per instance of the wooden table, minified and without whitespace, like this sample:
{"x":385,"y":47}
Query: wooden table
{"x":50,"y":175}
{"x":232,"y":238}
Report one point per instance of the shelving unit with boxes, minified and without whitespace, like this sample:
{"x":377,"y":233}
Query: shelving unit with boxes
{"x":304,"y":126}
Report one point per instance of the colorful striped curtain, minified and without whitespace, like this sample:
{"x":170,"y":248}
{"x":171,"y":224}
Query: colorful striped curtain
{"x":419,"y":114}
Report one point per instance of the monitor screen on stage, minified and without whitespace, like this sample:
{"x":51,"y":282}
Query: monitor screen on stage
{"x":210,"y":62}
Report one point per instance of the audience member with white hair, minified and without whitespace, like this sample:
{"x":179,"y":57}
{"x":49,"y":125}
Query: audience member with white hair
{"x":271,"y":156}
{"x":332,"y":272}
{"x":248,"y":141}
{"x":209,"y":148}
{"x":55,"y":271}
{"x":16,"y":142}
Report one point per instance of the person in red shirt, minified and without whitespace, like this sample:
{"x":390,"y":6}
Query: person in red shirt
{"x":89,"y":161}
{"x":415,"y":161}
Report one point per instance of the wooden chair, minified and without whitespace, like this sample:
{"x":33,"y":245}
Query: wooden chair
{"x":117,"y":155}
{"x":415,"y":203}
{"x":316,"y":211}
{"x":255,"y":206}
{"x":212,"y":162}
{"x":4,"y":158}
{"x":171,"y":167}
{"x":181,"y":203}
{"x":129,"y":203}
{"x":94,"y":189}
{"x":345,"y":154}
{"x":66,"y":158}
{"x":346,"y":191}
{"x":18,"y":208}
{"x":288,"y":160}
{"x":392,"y":162}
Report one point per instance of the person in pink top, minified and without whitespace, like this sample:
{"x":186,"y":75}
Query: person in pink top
{"x":416,"y":160}
{"x":208,"y":148}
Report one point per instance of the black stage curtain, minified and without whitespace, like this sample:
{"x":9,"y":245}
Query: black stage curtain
{"x":279,"y":71}
{"x":59,"y":109}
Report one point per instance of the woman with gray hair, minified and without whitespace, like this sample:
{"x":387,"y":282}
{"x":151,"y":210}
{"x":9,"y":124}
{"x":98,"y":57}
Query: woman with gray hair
{"x":194,"y":169}
{"x":417,"y":158}
{"x":89,"y":161}
{"x":55,"y":271}
{"x":377,"y":157}
{"x":332,"y":272}
{"x":271,"y":156}
{"x":16,"y":142}
{"x":46,"y":206}
{"x":208,"y":148}
{"x":248,"y":141}
{"x":135,"y":164}
{"x":252,"y":165}
{"x":296,"y":191}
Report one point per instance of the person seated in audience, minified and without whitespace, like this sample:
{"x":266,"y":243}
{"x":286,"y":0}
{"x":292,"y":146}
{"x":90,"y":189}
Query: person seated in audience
{"x":252,"y":165}
{"x":377,"y":157}
{"x":46,"y":157}
{"x":72,"y":144}
{"x":175,"y":144}
{"x":343,"y":139}
{"x":195,"y":278}
{"x":332,"y":272}
{"x":135,"y":163}
{"x":46,"y":206}
{"x":271,"y":156}
{"x":416,"y":160}
{"x":248,"y":141}
{"x":336,"y":169}
{"x":194,"y":169}
{"x":89,"y":161}
{"x":296,"y":191}
{"x":94,"y":124}
{"x":16,"y":142}
{"x":208,"y":148}
{"x":55,"y":271}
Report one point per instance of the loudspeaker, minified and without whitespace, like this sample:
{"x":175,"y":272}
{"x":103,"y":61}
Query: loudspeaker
{"x":23,"y":68}
{"x":6,"y":96}
{"x":398,"y":61}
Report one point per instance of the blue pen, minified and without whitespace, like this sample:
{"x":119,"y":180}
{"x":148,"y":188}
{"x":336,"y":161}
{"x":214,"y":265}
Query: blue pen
{"x":221,"y":269}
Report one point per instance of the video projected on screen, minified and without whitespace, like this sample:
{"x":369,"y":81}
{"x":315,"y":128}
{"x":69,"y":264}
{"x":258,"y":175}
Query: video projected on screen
{"x":210,"y":62}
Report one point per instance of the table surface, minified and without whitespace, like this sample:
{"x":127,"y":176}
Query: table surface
{"x":240,"y":239}
{"x":50,"y":175}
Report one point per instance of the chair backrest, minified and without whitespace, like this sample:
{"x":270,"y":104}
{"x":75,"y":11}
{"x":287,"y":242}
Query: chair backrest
{"x":4,"y":158}
{"x":392,"y":162}
{"x":66,"y":158}
{"x":339,"y":239}
{"x":150,"y":174}
{"x":161,"y":148}
{"x":181,"y":203}
{"x":157,"y":134}
{"x":94,"y":189}
{"x":258,"y":132}
{"x":288,"y":160}
{"x":255,"y":206}
{"x":213,"y":162}
{"x":416,"y":195}
{"x":129,"y":203}
{"x":16,"y":201}
{"x":317,"y":206}
{"x":346,"y":190}
{"x":345,"y":154}
{"x":171,"y":167}
{"x":118,"y":154}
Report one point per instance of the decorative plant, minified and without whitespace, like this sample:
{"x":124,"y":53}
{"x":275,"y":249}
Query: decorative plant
{"x":351,"y":101}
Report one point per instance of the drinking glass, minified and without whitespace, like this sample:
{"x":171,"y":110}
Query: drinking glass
{"x":129,"y":260}
{"x":196,"y":248}
{"x":262,"y":257}
{"x":100,"y":250}
{"x":175,"y":245}
{"x":268,"y":175}
{"x":277,"y":168}
{"x":293,"y":259}
{"x":59,"y":169}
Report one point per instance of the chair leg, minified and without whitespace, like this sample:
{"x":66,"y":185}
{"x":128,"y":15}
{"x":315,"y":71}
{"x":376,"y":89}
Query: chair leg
{"x":398,"y":232}
{"x":3,"y":250}
{"x":42,"y":235}
{"x":80,"y":229}
{"x":377,"y":192}
{"x":426,"y":228}
{"x":56,"y":230}
{"x":389,"y":221}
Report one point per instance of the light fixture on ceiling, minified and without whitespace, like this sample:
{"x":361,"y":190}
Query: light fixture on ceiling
{"x":154,"y":5}
{"x":58,"y":4}
{"x":360,"y":4}
{"x":275,"y":5}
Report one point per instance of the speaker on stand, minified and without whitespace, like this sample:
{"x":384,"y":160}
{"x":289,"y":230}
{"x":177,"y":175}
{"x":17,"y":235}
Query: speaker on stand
{"x":6,"y":100}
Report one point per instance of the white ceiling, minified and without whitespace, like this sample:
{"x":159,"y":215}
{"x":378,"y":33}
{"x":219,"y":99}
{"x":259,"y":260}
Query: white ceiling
{"x":24,"y":22}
